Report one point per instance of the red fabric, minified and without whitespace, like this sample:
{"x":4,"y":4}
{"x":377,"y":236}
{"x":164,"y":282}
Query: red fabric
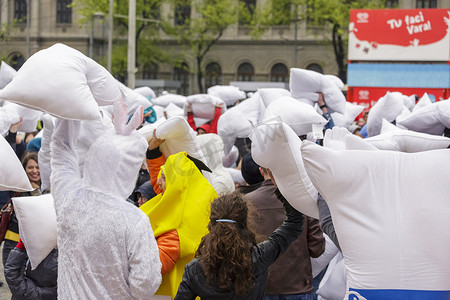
{"x":169,"y":250}
{"x":208,"y":128}
{"x":20,"y":245}
{"x":190,"y":119}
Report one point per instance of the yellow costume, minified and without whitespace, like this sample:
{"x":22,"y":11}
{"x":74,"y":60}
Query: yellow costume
{"x":184,"y":206}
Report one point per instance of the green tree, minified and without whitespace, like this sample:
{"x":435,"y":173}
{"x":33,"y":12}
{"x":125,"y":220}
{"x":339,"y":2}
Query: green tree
{"x":331,"y":15}
{"x":199,"y":34}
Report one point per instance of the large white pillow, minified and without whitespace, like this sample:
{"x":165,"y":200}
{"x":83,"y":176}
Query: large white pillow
{"x":6,"y":74}
{"x":133,"y":99}
{"x":299,"y":116}
{"x":333,"y":283}
{"x":424,"y":101}
{"x":351,"y":112}
{"x":268,"y":95}
{"x":379,"y":221}
{"x":277,"y":147}
{"x":146,"y":91}
{"x":432,"y":118}
{"x":387,"y":107}
{"x":204,"y":105}
{"x":306,"y":84}
{"x":12,"y":174}
{"x":63,"y":82}
{"x":37,"y":226}
{"x":228,"y":93}
{"x":212,"y":147}
{"x":173,"y":110}
{"x":167,"y":98}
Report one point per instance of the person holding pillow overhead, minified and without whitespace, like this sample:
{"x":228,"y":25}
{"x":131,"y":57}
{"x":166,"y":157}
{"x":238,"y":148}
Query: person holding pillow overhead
{"x":205,"y":128}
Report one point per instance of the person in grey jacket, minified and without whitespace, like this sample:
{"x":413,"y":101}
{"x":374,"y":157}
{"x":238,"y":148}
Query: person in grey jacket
{"x":229,"y":263}
{"x":25,"y":283}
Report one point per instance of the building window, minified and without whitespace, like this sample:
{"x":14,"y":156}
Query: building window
{"x":391,"y":3}
{"x":426,"y":3}
{"x":315,"y":67}
{"x":246,"y":72}
{"x":247,"y":9}
{"x":64,"y":12}
{"x":279,"y":73}
{"x":20,"y":11}
{"x":182,"y":13}
{"x":150,"y":71}
{"x":182,"y":75}
{"x":213,"y":75}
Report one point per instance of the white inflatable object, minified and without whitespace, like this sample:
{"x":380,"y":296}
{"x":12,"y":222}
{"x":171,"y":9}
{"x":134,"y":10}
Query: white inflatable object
{"x":306,"y":84}
{"x":12,"y":174}
{"x":299,"y":116}
{"x":228,"y":93}
{"x":277,"y":147}
{"x":63,"y":82}
{"x":168,"y":98}
{"x":37,"y":226}
{"x":387,"y":107}
{"x":392,"y":225}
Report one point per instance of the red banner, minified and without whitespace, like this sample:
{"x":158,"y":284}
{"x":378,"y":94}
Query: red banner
{"x":399,"y":34}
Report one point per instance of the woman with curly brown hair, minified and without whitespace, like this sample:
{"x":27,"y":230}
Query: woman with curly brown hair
{"x":229,"y":264}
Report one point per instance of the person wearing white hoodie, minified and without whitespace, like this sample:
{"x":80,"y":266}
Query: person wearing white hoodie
{"x":106,"y":245}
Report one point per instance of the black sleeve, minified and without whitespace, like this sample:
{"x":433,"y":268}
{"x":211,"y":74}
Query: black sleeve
{"x":185,"y":290}
{"x":326,"y":223}
{"x":284,"y":235}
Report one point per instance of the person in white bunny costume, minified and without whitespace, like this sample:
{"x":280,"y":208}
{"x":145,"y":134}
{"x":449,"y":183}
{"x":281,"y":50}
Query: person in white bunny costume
{"x":107,"y":249}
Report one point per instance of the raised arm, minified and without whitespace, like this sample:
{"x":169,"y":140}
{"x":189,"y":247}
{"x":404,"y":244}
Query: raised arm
{"x":190,"y":117}
{"x":215,"y":120}
{"x":155,"y":159}
{"x":64,"y":159}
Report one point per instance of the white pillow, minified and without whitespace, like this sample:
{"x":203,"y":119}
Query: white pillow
{"x":29,"y":116}
{"x":37,"y":226}
{"x":146,"y":92}
{"x":383,"y":203}
{"x":387,"y":107}
{"x":204,"y":105}
{"x":12,"y":174}
{"x":212,"y":147}
{"x":63,"y":82}
{"x":432,"y":118}
{"x":236,"y":175}
{"x":228,"y":93}
{"x":306,"y":84}
{"x":268,"y":95}
{"x":231,"y":158}
{"x":178,"y":136}
{"x":159,"y":111}
{"x":277,"y":147}
{"x":299,"y":116}
{"x":409,"y":102}
{"x":6,"y":74}
{"x":168,"y":98}
{"x":402,"y":116}
{"x":7,"y":118}
{"x":424,"y":101}
{"x":339,"y":138}
{"x":336,"y":80}
{"x":333,"y":284}
{"x":173,"y":110}
{"x":133,"y":99}
{"x":351,"y":112}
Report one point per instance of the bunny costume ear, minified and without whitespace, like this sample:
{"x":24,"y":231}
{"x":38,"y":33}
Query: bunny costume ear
{"x":121,"y":118}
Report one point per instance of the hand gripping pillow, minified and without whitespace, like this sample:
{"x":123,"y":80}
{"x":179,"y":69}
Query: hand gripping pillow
{"x":388,"y":107}
{"x":228,"y":93}
{"x":424,"y":101}
{"x":204,"y":105}
{"x":351,"y":112}
{"x":12,"y":174}
{"x":63,"y":82}
{"x":212,"y":147}
{"x":306,"y":84}
{"x":6,"y":74}
{"x":146,"y":92}
{"x":37,"y":226}
{"x":277,"y":147}
{"x":390,"y":211}
{"x":299,"y":116}
{"x":168,"y":98}
{"x":432,"y":119}
{"x":133,"y":99}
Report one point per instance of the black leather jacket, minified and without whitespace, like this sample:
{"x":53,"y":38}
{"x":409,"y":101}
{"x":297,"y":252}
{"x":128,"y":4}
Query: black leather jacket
{"x":263,"y":254}
{"x":37,"y":284}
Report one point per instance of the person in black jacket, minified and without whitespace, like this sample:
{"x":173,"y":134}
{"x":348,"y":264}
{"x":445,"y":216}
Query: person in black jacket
{"x":37,"y":284}
{"x":229,"y":264}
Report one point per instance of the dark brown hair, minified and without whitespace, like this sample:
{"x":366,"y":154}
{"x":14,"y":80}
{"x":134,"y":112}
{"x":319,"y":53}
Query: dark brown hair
{"x":29,"y":156}
{"x":226,"y":251}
